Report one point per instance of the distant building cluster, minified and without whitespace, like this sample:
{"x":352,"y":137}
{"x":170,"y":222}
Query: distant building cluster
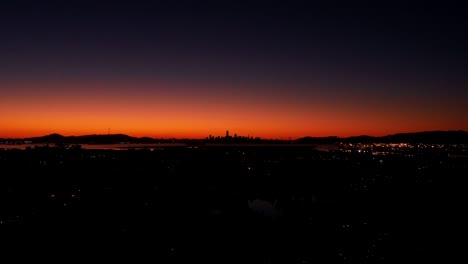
{"x":232,"y":139}
{"x":403,"y":148}
{"x":15,"y":142}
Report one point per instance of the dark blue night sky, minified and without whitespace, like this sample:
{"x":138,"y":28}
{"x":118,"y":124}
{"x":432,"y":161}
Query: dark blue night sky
{"x":360,"y":65}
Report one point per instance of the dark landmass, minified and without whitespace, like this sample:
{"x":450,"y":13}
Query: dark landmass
{"x":429,"y":137}
{"x":232,"y":204}
{"x":454,"y":137}
{"x":457,"y":136}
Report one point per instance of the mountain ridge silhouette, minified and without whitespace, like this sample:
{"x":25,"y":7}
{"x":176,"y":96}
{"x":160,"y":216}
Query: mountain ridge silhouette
{"x":436,"y":136}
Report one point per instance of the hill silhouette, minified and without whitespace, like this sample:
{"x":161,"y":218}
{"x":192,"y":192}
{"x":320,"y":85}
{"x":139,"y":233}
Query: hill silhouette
{"x":91,"y":139}
{"x":453,"y":136}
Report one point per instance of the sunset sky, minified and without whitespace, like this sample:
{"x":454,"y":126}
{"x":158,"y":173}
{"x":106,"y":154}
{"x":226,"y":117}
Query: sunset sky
{"x":271,"y":69}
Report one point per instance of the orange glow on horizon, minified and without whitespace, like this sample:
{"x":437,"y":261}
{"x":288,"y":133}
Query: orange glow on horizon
{"x":40,"y":109}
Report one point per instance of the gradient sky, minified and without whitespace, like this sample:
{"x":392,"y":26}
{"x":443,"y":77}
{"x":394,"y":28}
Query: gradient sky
{"x":271,"y":69}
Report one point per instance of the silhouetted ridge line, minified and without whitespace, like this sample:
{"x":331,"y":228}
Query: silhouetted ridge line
{"x":91,"y":139}
{"x":453,"y":136}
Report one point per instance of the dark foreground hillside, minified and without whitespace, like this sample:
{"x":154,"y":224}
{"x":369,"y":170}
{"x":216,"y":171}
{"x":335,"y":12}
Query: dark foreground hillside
{"x":230,"y":204}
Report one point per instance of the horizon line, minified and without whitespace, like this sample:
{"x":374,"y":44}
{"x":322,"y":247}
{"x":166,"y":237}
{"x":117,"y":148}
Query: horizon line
{"x":285,"y":138}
